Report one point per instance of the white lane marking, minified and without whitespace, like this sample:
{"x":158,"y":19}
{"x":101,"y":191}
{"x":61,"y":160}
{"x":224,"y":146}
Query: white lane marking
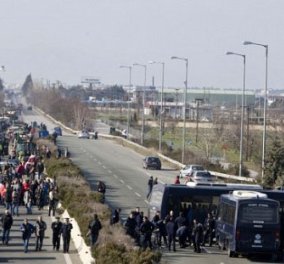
{"x":104,"y":166}
{"x":139,"y":195}
{"x":149,"y":174}
{"x":67,"y":258}
{"x":109,"y":171}
{"x":99,"y":162}
{"x":115,"y":176}
{"x":146,"y":201}
{"x":161,"y":181}
{"x":95,"y":159}
{"x":129,"y":187}
{"x":122,"y":181}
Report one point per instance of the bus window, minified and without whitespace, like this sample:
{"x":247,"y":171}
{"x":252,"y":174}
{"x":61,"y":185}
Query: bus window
{"x":264,"y":213}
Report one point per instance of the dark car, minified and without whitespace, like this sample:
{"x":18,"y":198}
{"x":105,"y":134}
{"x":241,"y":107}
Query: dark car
{"x":152,"y":162}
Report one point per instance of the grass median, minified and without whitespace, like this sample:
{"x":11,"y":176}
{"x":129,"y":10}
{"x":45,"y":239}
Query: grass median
{"x":76,"y":195}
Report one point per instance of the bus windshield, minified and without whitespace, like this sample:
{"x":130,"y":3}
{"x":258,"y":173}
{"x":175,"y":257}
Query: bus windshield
{"x":258,"y":213}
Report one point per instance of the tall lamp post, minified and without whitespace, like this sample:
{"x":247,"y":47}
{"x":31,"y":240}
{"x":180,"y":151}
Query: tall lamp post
{"x":184,"y":103}
{"x":242,"y":115}
{"x":264,"y":105}
{"x":128,"y":101}
{"x":143,"y":100}
{"x":162,"y":102}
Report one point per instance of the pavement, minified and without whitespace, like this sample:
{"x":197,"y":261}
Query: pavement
{"x":14,"y":251}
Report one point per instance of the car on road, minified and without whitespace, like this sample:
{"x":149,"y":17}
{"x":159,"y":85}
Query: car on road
{"x":83,"y":134}
{"x":150,"y":162}
{"x":189,"y":169}
{"x":202,"y":176}
{"x":58,"y":131}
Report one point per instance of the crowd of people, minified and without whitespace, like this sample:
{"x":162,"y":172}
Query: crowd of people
{"x":166,"y":232}
{"x":23,"y":184}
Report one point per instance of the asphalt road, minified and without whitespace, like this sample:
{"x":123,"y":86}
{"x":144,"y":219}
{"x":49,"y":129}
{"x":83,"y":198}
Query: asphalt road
{"x":121,"y":169}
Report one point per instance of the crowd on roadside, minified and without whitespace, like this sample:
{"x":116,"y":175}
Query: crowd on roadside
{"x":23,"y":184}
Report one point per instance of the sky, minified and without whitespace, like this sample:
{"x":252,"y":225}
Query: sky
{"x":64,"y":40}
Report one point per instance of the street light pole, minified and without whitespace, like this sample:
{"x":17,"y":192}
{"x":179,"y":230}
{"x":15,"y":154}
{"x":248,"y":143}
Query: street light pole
{"x":264,"y":105}
{"x":242,"y":115}
{"x":143,"y":101}
{"x":128,"y":101}
{"x":162,"y":103}
{"x":184,"y":103}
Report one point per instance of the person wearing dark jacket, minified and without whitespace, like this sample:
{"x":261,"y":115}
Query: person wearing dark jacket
{"x":182,"y":229}
{"x":171,"y":231}
{"x":7,"y":222}
{"x":27,"y":230}
{"x":56,"y":233}
{"x":146,"y":230}
{"x":197,"y":232}
{"x":209,"y":230}
{"x":94,"y":228}
{"x":40,"y":228}
{"x":115,"y":218}
{"x":130,"y":225}
{"x":66,"y":234}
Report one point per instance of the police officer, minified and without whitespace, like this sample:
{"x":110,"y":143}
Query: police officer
{"x":66,"y":234}
{"x":40,"y":230}
{"x":197,"y":235}
{"x":209,"y":226}
{"x":146,"y":230}
{"x":56,"y":227}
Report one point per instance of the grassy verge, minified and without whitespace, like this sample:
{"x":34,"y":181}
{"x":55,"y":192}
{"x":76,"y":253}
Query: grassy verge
{"x":76,"y":195}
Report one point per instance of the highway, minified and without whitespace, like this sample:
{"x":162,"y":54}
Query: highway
{"x":121,"y":169}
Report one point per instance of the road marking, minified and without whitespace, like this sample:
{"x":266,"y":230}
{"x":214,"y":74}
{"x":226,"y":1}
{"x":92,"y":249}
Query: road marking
{"x":122,"y":181}
{"x":99,"y":162}
{"x":161,"y":181}
{"x":139,"y":195}
{"x":115,"y":176}
{"x":67,"y":258}
{"x":149,"y":174}
{"x":95,"y":159}
{"x":129,"y":187}
{"x":109,"y":171}
{"x":146,"y":201}
{"x":104,"y":166}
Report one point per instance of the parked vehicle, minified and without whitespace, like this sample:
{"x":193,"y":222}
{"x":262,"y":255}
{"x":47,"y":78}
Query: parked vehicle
{"x":189,"y":169}
{"x":248,"y":223}
{"x":152,"y":162}
{"x":202,"y":176}
{"x":83,"y":134}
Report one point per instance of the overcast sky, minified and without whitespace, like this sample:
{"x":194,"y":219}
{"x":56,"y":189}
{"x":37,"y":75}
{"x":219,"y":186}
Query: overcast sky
{"x":67,"y":39}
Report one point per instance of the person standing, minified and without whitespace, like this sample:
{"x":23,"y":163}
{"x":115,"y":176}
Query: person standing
{"x":177,"y":181}
{"x":209,"y":230}
{"x":15,"y":201}
{"x":197,"y":235}
{"x":171,"y":231}
{"x":146,"y":230}
{"x":40,"y":230}
{"x":66,"y":234}
{"x":8,"y":197}
{"x":56,"y":227}
{"x":94,"y":228}
{"x":150,"y":186}
{"x":52,"y":202}
{"x":27,"y":230}
{"x":7,"y":222}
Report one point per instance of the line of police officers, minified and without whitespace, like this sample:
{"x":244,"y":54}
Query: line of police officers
{"x":141,"y":229}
